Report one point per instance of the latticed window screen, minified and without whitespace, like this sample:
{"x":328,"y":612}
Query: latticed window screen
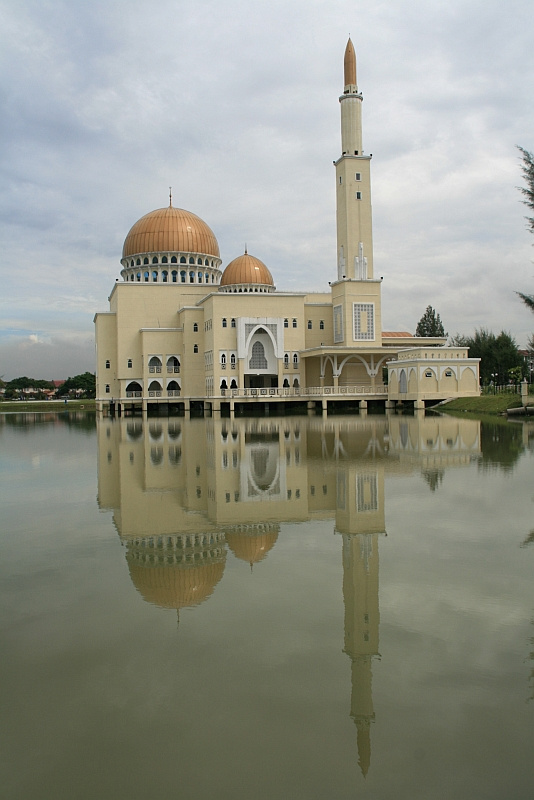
{"x":258,"y":360}
{"x":338,"y":323}
{"x":364,"y":321}
{"x":366,"y":493}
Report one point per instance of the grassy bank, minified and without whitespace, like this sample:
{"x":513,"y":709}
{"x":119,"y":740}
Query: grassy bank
{"x":19,"y":406}
{"x":485,"y":404}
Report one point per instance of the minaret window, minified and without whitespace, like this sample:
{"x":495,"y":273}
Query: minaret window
{"x":224,"y":323}
{"x":358,"y":176}
{"x":195,"y":348}
{"x":340,"y":180}
{"x":107,"y":388}
{"x":358,"y":195}
{"x":321,"y":325}
{"x":108,"y":364}
{"x":195,"y":327}
{"x":294,"y":322}
{"x":130,"y":363}
{"x":286,"y":323}
{"x":233,"y":322}
{"x":286,"y":360}
{"x":310,"y":324}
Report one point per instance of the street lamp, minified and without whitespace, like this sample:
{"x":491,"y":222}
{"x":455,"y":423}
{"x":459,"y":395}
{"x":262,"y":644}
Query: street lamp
{"x":494,"y":376}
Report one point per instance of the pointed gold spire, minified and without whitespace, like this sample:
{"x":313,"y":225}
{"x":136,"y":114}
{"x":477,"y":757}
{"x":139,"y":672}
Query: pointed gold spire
{"x":350,"y":64}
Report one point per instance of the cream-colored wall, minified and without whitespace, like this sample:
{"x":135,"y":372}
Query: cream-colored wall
{"x":427,"y":369}
{"x":345,"y":294}
{"x":354,"y":217}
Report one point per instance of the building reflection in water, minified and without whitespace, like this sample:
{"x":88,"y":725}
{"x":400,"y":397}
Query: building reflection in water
{"x":183,"y":492}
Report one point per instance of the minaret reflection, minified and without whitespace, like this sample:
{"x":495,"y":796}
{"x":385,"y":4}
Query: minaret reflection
{"x":360,"y":520}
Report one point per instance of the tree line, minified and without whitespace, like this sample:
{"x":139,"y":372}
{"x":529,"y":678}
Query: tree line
{"x":83,"y":385}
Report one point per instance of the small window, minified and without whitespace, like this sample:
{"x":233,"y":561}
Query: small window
{"x":155,"y":260}
{"x":138,"y":276}
{"x":183,"y":260}
{"x":164,"y":276}
{"x":164,"y":260}
{"x":195,"y":348}
{"x":321,"y":325}
{"x":155,"y":276}
{"x":340,"y":180}
{"x":294,"y":322}
{"x":223,"y":360}
{"x":428,"y":374}
{"x":191,"y":260}
{"x":174,"y":276}
{"x":232,"y":359}
{"x":146,"y":276}
{"x":191,"y":277}
{"x":448,"y":373}
{"x":107,"y":388}
{"x":130,"y":363}
{"x":224,"y":322}
{"x":138,"y":262}
{"x":358,"y":195}
{"x":309,"y":324}
{"x":200,"y":277}
{"x":174,"y":260}
{"x":233,"y":322}
{"x":295,"y":359}
{"x":286,"y":359}
{"x":286,"y":323}
{"x":358,"y":176}
{"x":145,"y":260}
{"x":195,"y":327}
{"x":108,"y":365}
{"x":183,"y":276}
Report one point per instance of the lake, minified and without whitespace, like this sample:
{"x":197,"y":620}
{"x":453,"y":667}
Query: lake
{"x":297,"y":607}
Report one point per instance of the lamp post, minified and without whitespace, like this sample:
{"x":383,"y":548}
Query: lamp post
{"x":494,"y":376}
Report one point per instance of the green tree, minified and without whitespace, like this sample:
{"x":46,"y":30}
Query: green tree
{"x":430,"y":324}
{"x":498,"y":354}
{"x":86,"y":382}
{"x":527,"y":168}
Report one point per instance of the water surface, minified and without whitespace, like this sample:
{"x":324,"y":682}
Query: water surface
{"x":298,"y":608}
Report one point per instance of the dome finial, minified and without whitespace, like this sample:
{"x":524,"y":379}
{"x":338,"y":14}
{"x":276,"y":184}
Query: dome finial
{"x":170,"y":196}
{"x":246,"y":251}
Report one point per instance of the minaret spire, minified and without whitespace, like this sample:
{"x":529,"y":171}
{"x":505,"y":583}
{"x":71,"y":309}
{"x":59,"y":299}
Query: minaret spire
{"x":350,"y":65}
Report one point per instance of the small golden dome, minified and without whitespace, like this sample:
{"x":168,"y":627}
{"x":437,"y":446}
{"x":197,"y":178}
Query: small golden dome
{"x":246,"y":269}
{"x":170,"y":230}
{"x":251,"y":548}
{"x":176,"y":586}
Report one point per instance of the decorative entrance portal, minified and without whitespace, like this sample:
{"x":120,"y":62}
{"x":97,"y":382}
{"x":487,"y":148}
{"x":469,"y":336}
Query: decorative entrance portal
{"x":261,"y":381}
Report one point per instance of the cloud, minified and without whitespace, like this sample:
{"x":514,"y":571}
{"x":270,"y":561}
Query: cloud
{"x":105,"y":105}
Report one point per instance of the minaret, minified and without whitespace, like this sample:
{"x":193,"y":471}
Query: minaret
{"x":356,"y":295}
{"x":353,"y":178}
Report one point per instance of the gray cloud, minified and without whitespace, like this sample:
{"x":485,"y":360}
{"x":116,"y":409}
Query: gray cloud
{"x":104,"y":105}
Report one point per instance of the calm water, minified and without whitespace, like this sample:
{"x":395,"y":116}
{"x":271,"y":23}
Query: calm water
{"x":275,"y":608}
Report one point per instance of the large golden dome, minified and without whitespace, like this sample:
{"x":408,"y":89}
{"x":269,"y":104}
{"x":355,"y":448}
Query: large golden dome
{"x":170,"y":230}
{"x":247,"y":270}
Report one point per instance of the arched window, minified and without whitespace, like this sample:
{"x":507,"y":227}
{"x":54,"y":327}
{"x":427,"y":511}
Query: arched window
{"x":173,"y":364}
{"x":309,"y":324}
{"x":107,"y":388}
{"x":199,"y":261}
{"x":145,"y":260}
{"x":199,"y":277}
{"x":295,"y":359}
{"x":138,"y":276}
{"x":206,"y":262}
{"x":164,"y":276}
{"x":146,"y":276}
{"x":155,"y":260}
{"x":232,"y":360}
{"x":258,"y":360}
{"x":134,"y":389}
{"x":156,"y":455}
{"x":233,"y":384}
{"x":154,"y":276}
{"x":191,"y":260}
{"x":296,"y":383}
{"x":154,"y":365}
{"x":191,"y":277}
{"x":206,"y":278}
{"x":174,"y":260}
{"x":195,"y":327}
{"x":183,"y":275}
{"x":174,"y":275}
{"x":164,"y":260}
{"x":108,"y":364}
{"x":286,"y":360}
{"x":138,"y":262}
{"x":154,"y":389}
{"x":286,"y":323}
{"x":294,"y":322}
{"x":183,"y":260}
{"x":173,"y":389}
{"x":223,"y":359}
{"x":286,"y":383}
{"x":132,"y":262}
{"x":232,"y":323}
{"x":321,"y":325}
{"x":195,"y":348}
{"x":224,"y":385}
{"x":224,"y":323}
{"x":130,"y":364}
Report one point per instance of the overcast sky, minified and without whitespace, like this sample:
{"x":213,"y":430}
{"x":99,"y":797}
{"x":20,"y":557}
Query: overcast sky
{"x":235,"y":104}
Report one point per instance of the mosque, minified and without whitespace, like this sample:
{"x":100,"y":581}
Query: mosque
{"x":183,"y":334}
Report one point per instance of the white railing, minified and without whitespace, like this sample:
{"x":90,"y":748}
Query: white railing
{"x":310,"y":391}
